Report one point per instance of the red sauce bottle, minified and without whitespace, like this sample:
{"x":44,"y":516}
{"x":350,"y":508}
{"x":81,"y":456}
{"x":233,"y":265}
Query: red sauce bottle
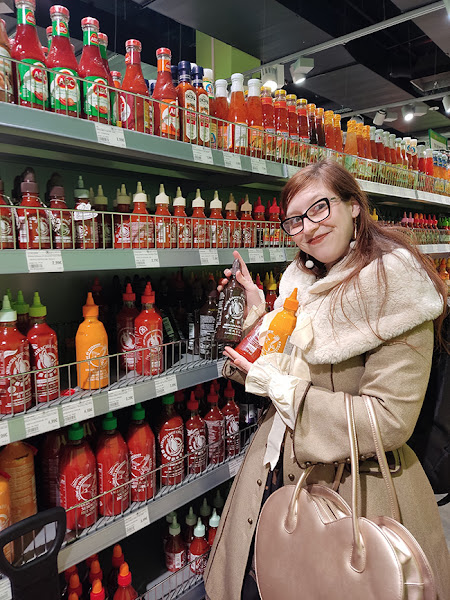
{"x":274,"y":226}
{"x":135,"y":111}
{"x":86,"y":224}
{"x":95,"y":93}
{"x":122,"y":233}
{"x":97,"y":592}
{"x":61,"y":220}
{"x":175,"y":551}
{"x":214,"y":521}
{"x":311,"y":112}
{"x":221,"y":113}
{"x":6,"y":77}
{"x":199,"y":222}
{"x":104,"y":219}
{"x":281,"y":124}
{"x":113,"y":469}
{"x":163,"y":224}
{"x":31,"y":77}
{"x":318,"y":115}
{"x":22,"y":309}
{"x":74,"y":588}
{"x":359,"y":139}
{"x":116,"y":561}
{"x":95,"y":574}
{"x":233,"y":228}
{"x":50,"y":455}
{"x":34,"y":221}
{"x":255,"y":118}
{"x":250,"y":347}
{"x":268,"y":123}
{"x":181,"y":223}
{"x":259,"y":217}
{"x":149,"y":336}
{"x":7,"y":231}
{"x":237,"y":133}
{"x":141,"y":223}
{"x":199,"y":550}
{"x":215,"y":232}
{"x":291,"y":100}
{"x":379,"y":144}
{"x":195,"y":439}
{"x":302,"y":117}
{"x":65,"y":97}
{"x":166,"y":111}
{"x":142,"y":456}
{"x":373,"y":146}
{"x":204,"y":136}
{"x":171,"y":443}
{"x":126,"y":340}
{"x":366,"y":142}
{"x":113,"y":96}
{"x":187,"y":98}
{"x":191,"y":522}
{"x":231,"y":413}
{"x":215,"y":424}
{"x":44,"y":354}
{"x":248,"y":229}
{"x":78,"y":480}
{"x":125,"y":590}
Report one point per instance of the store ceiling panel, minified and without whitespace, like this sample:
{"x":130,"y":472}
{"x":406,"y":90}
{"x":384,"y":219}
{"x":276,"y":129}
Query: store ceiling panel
{"x":435,"y":25}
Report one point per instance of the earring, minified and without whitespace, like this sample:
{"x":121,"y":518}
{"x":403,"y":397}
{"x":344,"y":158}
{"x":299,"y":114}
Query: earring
{"x":309,"y":263}
{"x":355,"y":233}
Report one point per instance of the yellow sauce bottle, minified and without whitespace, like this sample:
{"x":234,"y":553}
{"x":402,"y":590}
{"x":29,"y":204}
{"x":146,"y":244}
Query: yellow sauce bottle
{"x":281,"y":326}
{"x":91,"y":343}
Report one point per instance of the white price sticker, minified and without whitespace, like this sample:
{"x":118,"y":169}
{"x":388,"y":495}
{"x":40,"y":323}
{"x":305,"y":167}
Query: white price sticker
{"x":146,"y":259}
{"x":5,"y":589}
{"x":234,"y":465}
{"x":136,"y":521}
{"x":209,"y":257}
{"x":4,"y":436}
{"x":291,"y":171}
{"x":110,"y":135}
{"x":258,"y":165}
{"x":44,"y":261}
{"x":166,"y":385}
{"x":202,"y":154}
{"x":256,"y":255}
{"x":79,"y":410}
{"x":277,"y":255}
{"x":120,"y":398}
{"x":291,"y":253}
{"x":220,"y":364}
{"x":41,"y":421}
{"x":232,"y":161}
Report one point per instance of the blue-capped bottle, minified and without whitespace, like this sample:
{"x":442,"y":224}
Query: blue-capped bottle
{"x":187,"y":100}
{"x":203,"y":106}
{"x":174,"y":71}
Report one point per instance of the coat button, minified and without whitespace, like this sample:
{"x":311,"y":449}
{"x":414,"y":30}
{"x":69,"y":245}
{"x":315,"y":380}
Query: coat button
{"x":291,"y":476}
{"x":259,"y":482}
{"x":250,"y":520}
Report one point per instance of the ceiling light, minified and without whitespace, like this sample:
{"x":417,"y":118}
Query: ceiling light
{"x":408,"y":112}
{"x":446,"y":103}
{"x":300,"y":68}
{"x":379,"y":117}
{"x":391,"y":116}
{"x":269,"y":78}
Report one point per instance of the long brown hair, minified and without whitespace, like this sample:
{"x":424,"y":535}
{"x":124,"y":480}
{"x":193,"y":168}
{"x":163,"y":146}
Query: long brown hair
{"x":372,"y":240}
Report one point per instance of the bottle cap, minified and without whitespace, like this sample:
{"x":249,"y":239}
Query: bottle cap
{"x":221,"y":88}
{"x":199,"y":530}
{"x":74,"y":580}
{"x":199,"y":391}
{"x":198,"y":202}
{"x":75,"y":432}
{"x":246,"y":206}
{"x":100,"y":198}
{"x":214,"y":519}
{"x":175,"y":527}
{"x":162,"y":197}
{"x":117,"y":556}
{"x":218,"y":501}
{"x":291,"y":303}
{"x":73,"y":596}
{"x":169,"y":399}
{"x":29,"y":185}
{"x":197,"y":72}
{"x":20,"y":306}
{"x":140,"y":196}
{"x":213,"y":398}
{"x":80,"y":191}
{"x":91,"y":195}
{"x":165,"y":51}
{"x":97,"y":593}
{"x":170,"y":516}
{"x":238,"y":77}
{"x":231,"y":204}
{"x":90,"y":309}
{"x":129,"y":295}
{"x":90,"y":21}
{"x":192,"y":403}
{"x":148,"y":297}
{"x":254,"y":87}
{"x":103,"y":39}
{"x":259,"y":208}
{"x":124,"y":577}
{"x":136,"y":44}
{"x":122,"y":196}
{"x":70,"y":571}
{"x":109,"y":422}
{"x":216,"y":202}
{"x":208,"y":74}
{"x":179,"y":200}
{"x":57,"y":191}
{"x":138,"y":412}
{"x":90,"y":560}
{"x":37,"y":309}
{"x":185,"y":66}
{"x":274,"y":208}
{"x":191,"y":519}
{"x":229,"y":390}
{"x":205,"y":509}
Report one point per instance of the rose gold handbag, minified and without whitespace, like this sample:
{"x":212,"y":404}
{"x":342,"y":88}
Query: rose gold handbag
{"x":311,"y":545}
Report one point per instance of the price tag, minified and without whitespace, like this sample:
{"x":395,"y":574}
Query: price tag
{"x":291,"y":171}
{"x":166,"y":385}
{"x":202,"y":154}
{"x":291,"y":253}
{"x":277,"y":255}
{"x":4,"y":436}
{"x":146,"y":259}
{"x":42,"y":421}
{"x":258,"y":165}
{"x":234,"y":465}
{"x":209,"y":257}
{"x":110,"y":135}
{"x":136,"y":521}
{"x":5,"y":589}
{"x":256,"y":255}
{"x":44,"y":261}
{"x":220,"y":364}
{"x":232,"y":161}
{"x":79,"y":410}
{"x":120,"y":398}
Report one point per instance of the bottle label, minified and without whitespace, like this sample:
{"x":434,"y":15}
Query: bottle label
{"x":197,"y":562}
{"x":134,"y":113}
{"x":79,"y":490}
{"x":184,"y":233}
{"x":25,"y":16}
{"x":86,"y":230}
{"x":196,"y":449}
{"x":270,"y":142}
{"x":237,"y":138}
{"x":34,"y":229}
{"x":171,"y":444}
{"x":274,"y":342}
{"x":90,"y":37}
{"x":175,"y":560}
{"x":247,"y":235}
{"x":216,"y":437}
{"x":122,"y":235}
{"x":163,"y":64}
{"x":274,"y":233}
{"x":142,"y":232}
{"x":127,"y":343}
{"x":233,"y":314}
{"x":150,"y":360}
{"x":97,"y":370}
{"x":6,"y":81}
{"x":207,"y":329}
{"x":96,"y":97}
{"x":281,"y":143}
{"x":163,"y":232}
{"x":189,"y":116}
{"x":255,"y":138}
{"x":203,"y":119}
{"x":199,"y":233}
{"x":113,"y":478}
{"x":232,"y":432}
{"x":15,"y":392}
{"x":62,"y":229}
{"x":46,"y":384}
{"x":141,"y":465}
{"x":64,"y":91}
{"x":60,"y":27}
{"x":32,"y":82}
{"x":6,"y":229}
{"x":167,"y":326}
{"x":169,"y":124}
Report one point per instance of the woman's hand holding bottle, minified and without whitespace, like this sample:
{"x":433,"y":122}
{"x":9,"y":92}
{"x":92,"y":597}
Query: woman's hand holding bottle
{"x":243,"y":276}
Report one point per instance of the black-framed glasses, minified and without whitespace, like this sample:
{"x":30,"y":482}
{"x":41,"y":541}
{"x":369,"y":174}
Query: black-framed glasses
{"x":317,"y":212}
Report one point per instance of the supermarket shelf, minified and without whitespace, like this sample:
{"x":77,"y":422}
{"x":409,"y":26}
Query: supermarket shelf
{"x":181,"y":585}
{"x":392,"y":191}
{"x":16,"y":261}
{"x":435,"y":249}
{"x":86,"y":405}
{"x":110,"y":530}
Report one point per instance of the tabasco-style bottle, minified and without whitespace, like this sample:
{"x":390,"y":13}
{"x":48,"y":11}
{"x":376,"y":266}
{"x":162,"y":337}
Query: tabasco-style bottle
{"x":221,"y":113}
{"x":203,"y":106}
{"x":166,"y":111}
{"x":291,"y":100}
{"x":268,"y":123}
{"x":255,"y":118}
{"x":281,"y":124}
{"x":187,"y":98}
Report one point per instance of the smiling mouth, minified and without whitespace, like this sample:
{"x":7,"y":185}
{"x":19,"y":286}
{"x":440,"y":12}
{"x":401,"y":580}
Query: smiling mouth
{"x":318,"y":239}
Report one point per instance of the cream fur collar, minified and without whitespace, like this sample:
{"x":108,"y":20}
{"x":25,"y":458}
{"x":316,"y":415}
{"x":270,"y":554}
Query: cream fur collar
{"x":411,"y":299}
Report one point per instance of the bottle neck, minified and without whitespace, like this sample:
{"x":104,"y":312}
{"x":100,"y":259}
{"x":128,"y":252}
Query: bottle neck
{"x":37,"y":320}
{"x":102,"y":49}
{"x":221,"y":92}
{"x":164,"y":64}
{"x":184,"y":77}
{"x":197,"y":83}
{"x":60,"y":26}
{"x":132,"y":57}
{"x":148,"y":306}
{"x":25,"y":14}
{"x":129,"y":304}
{"x":90,"y":36}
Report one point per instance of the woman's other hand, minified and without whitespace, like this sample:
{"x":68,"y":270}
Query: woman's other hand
{"x":241,"y":363}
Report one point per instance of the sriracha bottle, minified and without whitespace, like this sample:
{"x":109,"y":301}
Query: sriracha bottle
{"x":141,"y":453}
{"x":135,"y":111}
{"x":215,"y":231}
{"x":249,"y":347}
{"x":271,"y":293}
{"x":213,"y":525}
{"x":125,"y":590}
{"x":22,"y":309}
{"x":198,"y":221}
{"x":117,"y":560}
{"x":191,"y":522}
{"x":162,"y":219}
{"x":142,"y":224}
{"x":281,"y":124}
{"x":195,"y":439}
{"x":232,"y":225}
{"x":34,"y":221}
{"x":171,"y":443}
{"x":175,"y":549}
{"x":166,"y":110}
{"x":255,"y":118}
{"x":126,"y":340}
{"x":61,"y":220}
{"x":199,"y":550}
{"x":74,"y":586}
{"x":274,"y":227}
{"x":231,"y":413}
{"x":215,"y":424}
{"x":247,"y":227}
{"x":122,"y":236}
{"x":181,"y":223}
{"x":149,"y":336}
{"x":97,"y":592}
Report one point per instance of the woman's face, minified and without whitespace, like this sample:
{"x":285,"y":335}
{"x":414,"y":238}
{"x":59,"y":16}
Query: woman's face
{"x":327,"y":241}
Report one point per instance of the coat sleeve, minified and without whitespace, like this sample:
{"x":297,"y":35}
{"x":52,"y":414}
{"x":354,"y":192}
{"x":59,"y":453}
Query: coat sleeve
{"x":396,"y":376}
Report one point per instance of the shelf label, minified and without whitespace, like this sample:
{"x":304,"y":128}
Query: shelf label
{"x":78,"y":410}
{"x":291,"y":171}
{"x":110,"y":135}
{"x":234,"y":465}
{"x":4,"y":437}
{"x":5,"y":589}
{"x":166,"y":385}
{"x":202,"y":154}
{"x":136,"y":520}
{"x":120,"y":398}
{"x":220,"y":364}
{"x":44,"y":261}
{"x":277,"y":255}
{"x":146,"y":259}
{"x":42,"y":421}
{"x":258,"y":165}
{"x":256,"y":255}
{"x":232,"y":161}
{"x":209,"y":257}
{"x":291,"y":253}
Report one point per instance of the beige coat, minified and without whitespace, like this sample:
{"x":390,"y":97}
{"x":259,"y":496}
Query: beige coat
{"x":394,"y":373}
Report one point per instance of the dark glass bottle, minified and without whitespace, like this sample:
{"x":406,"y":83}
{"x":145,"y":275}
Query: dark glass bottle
{"x":230,"y":313}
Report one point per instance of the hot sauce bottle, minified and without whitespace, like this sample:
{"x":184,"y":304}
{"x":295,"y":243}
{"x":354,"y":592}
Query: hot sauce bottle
{"x":162,"y":219}
{"x":117,"y":81}
{"x":91,"y":68}
{"x":126,"y":340}
{"x":190,"y":521}
{"x":351,"y":143}
{"x":187,"y":98}
{"x":122,"y":234}
{"x":268,"y":123}
{"x":203,"y":138}
{"x":91,"y":344}
{"x":373,"y":146}
{"x":255,"y":118}
{"x":135,"y":111}
{"x":215,"y":232}
{"x":116,"y":561}
{"x":281,"y":326}
{"x":61,"y":220}
{"x":149,"y":336}
{"x":181,"y":223}
{"x":302,"y":117}
{"x":34,"y":221}
{"x":214,"y":521}
{"x":231,"y":413}
{"x":209,"y":87}
{"x":104,"y":219}
{"x":271,"y":293}
{"x":221,"y":113}
{"x":175,"y":551}
{"x":142,"y":456}
{"x":141,"y":223}
{"x":6,"y":78}
{"x":338,"y":138}
{"x":318,"y":115}
{"x":215,"y":425}
{"x":250,"y":347}
{"x":7,"y":230}
{"x":113,"y":469}
{"x":359,"y":139}
{"x":366,"y":142}
{"x":232,"y":225}
{"x":31,"y":77}
{"x":281,"y":124}
{"x":230,"y":313}
{"x":125,"y":590}
{"x":274,"y":226}
{"x":199,"y":550}
{"x":166,"y":111}
{"x":248,"y":229}
{"x":259,"y":216}
{"x":379,"y":144}
{"x":22,"y":309}
{"x":171,"y":443}
{"x":65,"y":97}
{"x":237,"y":136}
{"x":44,"y":354}
{"x":311,"y":112}
{"x":113,"y":96}
{"x":198,"y":221}
{"x":86,"y":221}
{"x":291,"y":100}
{"x":329,"y":130}
{"x":195,"y":439}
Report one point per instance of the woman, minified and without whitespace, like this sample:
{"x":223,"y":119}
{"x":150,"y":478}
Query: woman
{"x":368,"y":300}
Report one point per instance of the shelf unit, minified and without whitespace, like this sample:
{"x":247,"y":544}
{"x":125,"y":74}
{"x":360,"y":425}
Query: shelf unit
{"x":181,"y":585}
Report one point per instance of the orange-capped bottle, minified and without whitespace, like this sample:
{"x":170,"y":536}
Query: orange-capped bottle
{"x":366,"y":141}
{"x":329,"y":129}
{"x":255,"y":118}
{"x":302,"y":117}
{"x":359,"y":139}
{"x":291,"y":101}
{"x":237,"y":134}
{"x":281,"y":124}
{"x":91,"y":344}
{"x":165,"y":112}
{"x":351,"y":143}
{"x":281,"y":327}
{"x":338,"y":138}
{"x":268,"y":123}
